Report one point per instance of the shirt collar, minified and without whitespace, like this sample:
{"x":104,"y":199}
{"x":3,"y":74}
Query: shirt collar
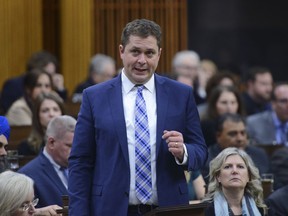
{"x":277,"y":122}
{"x":50,"y":159}
{"x":127,"y":85}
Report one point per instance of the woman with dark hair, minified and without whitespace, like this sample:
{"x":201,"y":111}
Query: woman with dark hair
{"x":46,"y":107}
{"x":35,"y":82}
{"x":223,"y":99}
{"x":223,"y":78}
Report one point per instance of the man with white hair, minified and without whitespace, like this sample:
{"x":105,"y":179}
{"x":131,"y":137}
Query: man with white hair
{"x":186,"y":67}
{"x":49,"y":168}
{"x":102,"y":67}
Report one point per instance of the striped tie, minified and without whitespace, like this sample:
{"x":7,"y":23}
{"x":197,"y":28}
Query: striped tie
{"x":142,"y":150}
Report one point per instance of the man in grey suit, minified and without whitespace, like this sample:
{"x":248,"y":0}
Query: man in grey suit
{"x":271,"y":127}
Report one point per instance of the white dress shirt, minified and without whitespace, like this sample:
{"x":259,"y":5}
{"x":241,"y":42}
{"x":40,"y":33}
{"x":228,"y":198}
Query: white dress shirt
{"x":56,"y":168}
{"x":129,"y":92}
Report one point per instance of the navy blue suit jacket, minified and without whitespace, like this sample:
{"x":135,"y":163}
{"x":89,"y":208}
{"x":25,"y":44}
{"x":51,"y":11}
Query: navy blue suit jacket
{"x":99,"y":173}
{"x":47,"y":184}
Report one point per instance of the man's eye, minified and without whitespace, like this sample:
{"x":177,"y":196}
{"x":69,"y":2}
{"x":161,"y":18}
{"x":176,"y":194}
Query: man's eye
{"x":135,"y":51}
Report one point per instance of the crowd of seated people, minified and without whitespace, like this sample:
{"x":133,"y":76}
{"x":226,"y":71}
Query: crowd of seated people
{"x":231,"y":132}
{"x":222,"y":99}
{"x":13,"y":88}
{"x":49,"y":169}
{"x":35,"y":82}
{"x":17,"y":190}
{"x":46,"y":107}
{"x":229,"y":116}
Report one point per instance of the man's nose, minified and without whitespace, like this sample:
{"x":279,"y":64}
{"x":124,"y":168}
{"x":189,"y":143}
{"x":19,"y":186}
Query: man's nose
{"x":142,"y":58}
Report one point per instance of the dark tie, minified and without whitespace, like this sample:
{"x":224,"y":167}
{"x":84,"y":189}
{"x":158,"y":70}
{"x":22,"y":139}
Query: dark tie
{"x":64,"y":171}
{"x":142,"y":150}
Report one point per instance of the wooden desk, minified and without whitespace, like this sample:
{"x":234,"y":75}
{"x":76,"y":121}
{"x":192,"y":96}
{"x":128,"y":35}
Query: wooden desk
{"x":17,"y":135}
{"x":196,"y":209}
{"x":72,"y":109}
{"x":64,"y":211}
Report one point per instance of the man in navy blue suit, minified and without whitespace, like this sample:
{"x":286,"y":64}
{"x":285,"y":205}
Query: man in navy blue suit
{"x":48,"y":168}
{"x":102,"y":164}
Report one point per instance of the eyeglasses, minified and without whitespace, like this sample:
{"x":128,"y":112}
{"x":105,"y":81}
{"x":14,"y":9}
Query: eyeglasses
{"x":283,"y":101}
{"x":26,"y":206}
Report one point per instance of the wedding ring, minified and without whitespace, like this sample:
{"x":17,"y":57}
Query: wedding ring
{"x":176,"y":144}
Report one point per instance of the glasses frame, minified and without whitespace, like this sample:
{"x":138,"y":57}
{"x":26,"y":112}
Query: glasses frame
{"x":27,"y":206}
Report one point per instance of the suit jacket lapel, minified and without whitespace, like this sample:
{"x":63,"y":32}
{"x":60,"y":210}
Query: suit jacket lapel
{"x":162,"y":106}
{"x":116,"y":105}
{"x":51,"y":174}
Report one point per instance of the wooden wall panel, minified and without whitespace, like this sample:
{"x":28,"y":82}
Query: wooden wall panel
{"x":76,"y":40}
{"x":112,"y":15}
{"x":21,"y":35}
{"x":75,"y":30}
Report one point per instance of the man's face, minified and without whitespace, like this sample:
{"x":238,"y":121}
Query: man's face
{"x":280,"y":104}
{"x":109,"y":72}
{"x":61,"y":148}
{"x":50,"y":68}
{"x":233,"y":135}
{"x":189,"y":68}
{"x":263,"y":86}
{"x":140,"y":58}
{"x":3,"y":145}
{"x":3,"y":152}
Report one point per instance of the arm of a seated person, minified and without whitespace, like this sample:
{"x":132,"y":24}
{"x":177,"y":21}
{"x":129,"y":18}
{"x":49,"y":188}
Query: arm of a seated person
{"x":47,"y":211}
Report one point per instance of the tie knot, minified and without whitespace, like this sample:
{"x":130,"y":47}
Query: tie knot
{"x":140,"y":88}
{"x":63,"y":168}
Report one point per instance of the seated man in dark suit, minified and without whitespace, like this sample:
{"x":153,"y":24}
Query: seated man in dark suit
{"x":271,"y":127}
{"x":277,"y":202}
{"x":49,"y":168}
{"x":279,"y":167}
{"x":231,"y":132}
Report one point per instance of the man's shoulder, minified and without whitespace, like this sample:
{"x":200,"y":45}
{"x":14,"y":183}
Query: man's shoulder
{"x":280,"y":194}
{"x":262,"y":116}
{"x":250,"y":149}
{"x":30,"y":167}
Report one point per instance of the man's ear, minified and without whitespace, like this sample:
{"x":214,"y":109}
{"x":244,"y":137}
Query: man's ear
{"x":50,"y":142}
{"x":121,"y":49}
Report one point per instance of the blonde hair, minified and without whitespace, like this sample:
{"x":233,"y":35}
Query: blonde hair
{"x":253,"y":187}
{"x":14,"y":189}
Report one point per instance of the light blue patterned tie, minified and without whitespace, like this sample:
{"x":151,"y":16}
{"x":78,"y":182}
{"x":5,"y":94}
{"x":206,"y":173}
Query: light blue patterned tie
{"x":142,"y":150}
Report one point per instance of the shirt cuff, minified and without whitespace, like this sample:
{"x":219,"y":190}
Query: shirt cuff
{"x":185,"y":158}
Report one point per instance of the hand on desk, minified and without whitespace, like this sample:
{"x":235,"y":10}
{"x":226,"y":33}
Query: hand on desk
{"x":48,"y":211}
